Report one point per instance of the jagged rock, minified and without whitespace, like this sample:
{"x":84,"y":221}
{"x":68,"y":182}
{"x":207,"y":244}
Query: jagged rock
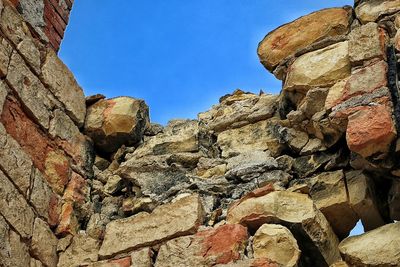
{"x":366,"y":42}
{"x":154,"y":129}
{"x":306,"y":165}
{"x":363,"y":199}
{"x":207,"y":248}
{"x":321,"y":68}
{"x":379,"y":247}
{"x":314,"y":101}
{"x":276,"y":242}
{"x":64,"y":243}
{"x":100,"y":163}
{"x":313,"y":145}
{"x":296,"y":36}
{"x":316,"y":239}
{"x":142,"y":258}
{"x":182,"y":217}
{"x":335,"y":94}
{"x":82,"y":251}
{"x":248,"y":138}
{"x":122,"y":262}
{"x":329,"y":194}
{"x":92,"y":99}
{"x":44,"y":243}
{"x":68,"y":223}
{"x":113,"y":185}
{"x":135,"y":205}
{"x":252,"y":263}
{"x":208,"y":168}
{"x":369,"y":11}
{"x":97,"y":225}
{"x":340,"y":264}
{"x":371,"y":130}
{"x":114,"y":122}
{"x":238,"y":110}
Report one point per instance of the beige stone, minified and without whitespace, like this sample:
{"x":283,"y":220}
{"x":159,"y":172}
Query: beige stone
{"x":379,"y":247}
{"x":166,"y":222}
{"x":363,"y":199}
{"x":44,"y":243}
{"x":41,"y":195}
{"x":276,"y":242}
{"x":296,"y":36}
{"x":321,"y":68}
{"x":335,"y":94}
{"x":330,"y":196}
{"x":142,"y":257}
{"x":14,"y":208}
{"x":366,"y":42}
{"x":83,"y":251}
{"x":13,"y":252}
{"x":30,"y":90}
{"x":5,"y":53}
{"x":372,"y":10}
{"x":115,"y":122}
{"x":291,"y":209}
{"x":340,"y":264}
{"x":62,"y":84}
{"x":3,"y":95}
{"x":14,"y":161}
{"x":237,"y":110}
{"x":248,"y":138}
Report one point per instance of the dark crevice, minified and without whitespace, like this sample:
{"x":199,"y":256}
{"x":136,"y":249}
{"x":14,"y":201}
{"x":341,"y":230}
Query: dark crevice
{"x":392,"y":77}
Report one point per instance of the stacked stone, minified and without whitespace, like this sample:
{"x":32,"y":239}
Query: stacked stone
{"x":43,"y":157}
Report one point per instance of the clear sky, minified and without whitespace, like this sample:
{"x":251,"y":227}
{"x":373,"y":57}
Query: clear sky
{"x":180,"y":56}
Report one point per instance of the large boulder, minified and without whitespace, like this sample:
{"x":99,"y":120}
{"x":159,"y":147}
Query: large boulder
{"x":379,"y":247}
{"x":296,"y":211}
{"x":296,"y":36}
{"x":115,"y":122}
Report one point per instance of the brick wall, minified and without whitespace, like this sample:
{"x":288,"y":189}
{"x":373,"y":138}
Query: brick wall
{"x":48,"y":18}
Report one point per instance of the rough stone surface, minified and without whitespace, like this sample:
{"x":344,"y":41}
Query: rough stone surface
{"x":301,"y":33}
{"x":276,"y":242}
{"x":63,"y":85}
{"x":321,"y":68}
{"x":299,"y":213}
{"x":44,"y":243}
{"x":366,"y":42}
{"x":369,"y":11}
{"x":114,"y":122}
{"x":82,"y":251}
{"x":142,"y":257}
{"x":378,"y":247}
{"x":15,"y":208}
{"x":371,"y":130}
{"x":166,"y":222}
{"x":330,"y":196}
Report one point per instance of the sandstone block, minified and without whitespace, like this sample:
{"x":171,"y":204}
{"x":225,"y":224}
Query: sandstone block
{"x":363,"y":199}
{"x":296,"y":36}
{"x":5,"y":53}
{"x":379,"y":247}
{"x":82,"y":251}
{"x":114,"y":122}
{"x":13,"y":252}
{"x":57,"y":170}
{"x":315,"y":236}
{"x":142,"y":257}
{"x":30,"y":90}
{"x":330,"y":196}
{"x":366,"y":42}
{"x":276,"y":242}
{"x":371,"y":130}
{"x":321,"y":68}
{"x":248,"y":138}
{"x":182,"y":217}
{"x":44,"y":243}
{"x":68,"y":222}
{"x":62,"y":84}
{"x":207,"y":248}
{"x":369,"y":11}
{"x":237,"y":110}
{"x":15,"y":209}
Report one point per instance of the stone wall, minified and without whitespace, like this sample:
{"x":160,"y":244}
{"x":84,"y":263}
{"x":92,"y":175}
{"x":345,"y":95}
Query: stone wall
{"x":47,"y":18}
{"x":257,"y":180}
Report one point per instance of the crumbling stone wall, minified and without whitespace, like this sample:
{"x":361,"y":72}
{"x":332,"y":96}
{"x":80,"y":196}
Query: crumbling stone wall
{"x":257,"y":180}
{"x":47,"y":18}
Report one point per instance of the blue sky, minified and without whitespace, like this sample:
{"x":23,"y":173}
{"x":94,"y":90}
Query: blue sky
{"x":179,"y":56}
